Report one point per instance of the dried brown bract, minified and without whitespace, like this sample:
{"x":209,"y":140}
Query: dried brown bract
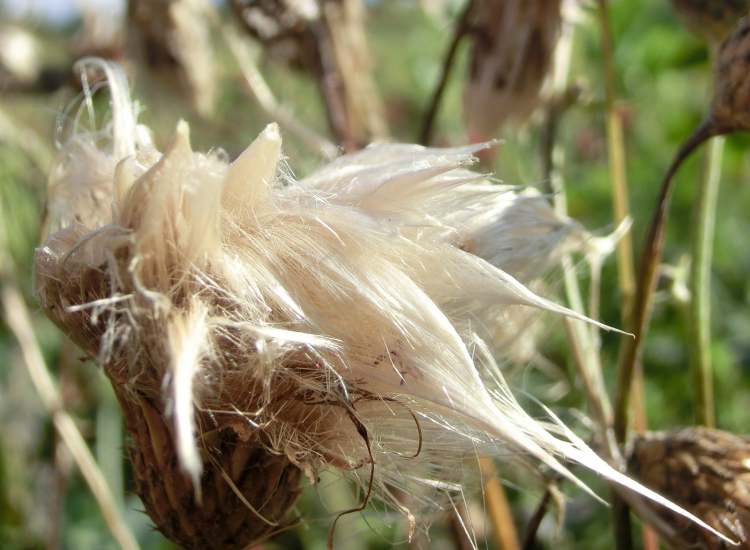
{"x":513,"y":43}
{"x":706,"y":471}
{"x":712,"y":20}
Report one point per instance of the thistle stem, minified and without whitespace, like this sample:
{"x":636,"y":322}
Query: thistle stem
{"x":462,"y":28}
{"x":625,"y":262}
{"x":261,"y":92}
{"x":529,"y":540}
{"x":587,"y":360}
{"x":700,"y":283}
{"x":498,"y":509}
{"x":650,"y":260}
{"x":618,"y":175}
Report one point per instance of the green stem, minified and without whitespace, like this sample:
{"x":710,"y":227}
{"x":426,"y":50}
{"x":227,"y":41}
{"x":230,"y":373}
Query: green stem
{"x":585,"y":352}
{"x":625,"y":263}
{"x":700,"y":284}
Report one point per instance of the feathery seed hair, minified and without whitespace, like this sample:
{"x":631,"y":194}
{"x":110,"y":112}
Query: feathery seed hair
{"x":257,"y":328}
{"x":712,"y":20}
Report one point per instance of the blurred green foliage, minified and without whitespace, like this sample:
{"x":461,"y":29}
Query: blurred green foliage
{"x":663,"y":80}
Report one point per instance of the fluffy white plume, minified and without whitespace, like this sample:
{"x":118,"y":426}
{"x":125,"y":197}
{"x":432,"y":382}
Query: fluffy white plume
{"x":337,"y":315}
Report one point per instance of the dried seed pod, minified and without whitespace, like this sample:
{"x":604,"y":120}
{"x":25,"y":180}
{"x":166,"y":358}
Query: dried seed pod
{"x":712,"y":20}
{"x":256,"y":327}
{"x":705,"y":470}
{"x":173,"y":39}
{"x":513,"y":43}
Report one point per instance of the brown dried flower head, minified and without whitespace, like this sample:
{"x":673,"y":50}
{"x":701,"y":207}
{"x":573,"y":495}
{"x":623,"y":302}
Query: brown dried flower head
{"x":513,"y":43}
{"x":730,"y":108}
{"x":705,"y":470}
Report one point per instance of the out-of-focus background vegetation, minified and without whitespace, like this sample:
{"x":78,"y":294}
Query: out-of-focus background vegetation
{"x":663,"y":80}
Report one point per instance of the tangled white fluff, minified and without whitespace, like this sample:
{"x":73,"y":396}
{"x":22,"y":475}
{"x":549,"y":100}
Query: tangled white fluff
{"x":366,"y":285}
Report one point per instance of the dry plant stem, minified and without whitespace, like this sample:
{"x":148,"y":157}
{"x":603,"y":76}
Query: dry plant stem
{"x":20,"y":324}
{"x":259,"y":89}
{"x":428,"y":125}
{"x":625,"y":267}
{"x":498,"y":509}
{"x":618,"y":176}
{"x":650,"y":260}
{"x":529,"y":539}
{"x":349,"y":57}
{"x":586,"y":356}
{"x":700,"y":284}
{"x":331,"y":87}
{"x":630,"y":354}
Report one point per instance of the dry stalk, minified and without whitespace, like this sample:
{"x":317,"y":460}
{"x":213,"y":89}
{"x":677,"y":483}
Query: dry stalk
{"x":728,"y":113}
{"x":18,"y":320}
{"x":460,"y":30}
{"x":700,"y":284}
{"x":585,"y":354}
{"x":625,"y":263}
{"x":498,"y":508}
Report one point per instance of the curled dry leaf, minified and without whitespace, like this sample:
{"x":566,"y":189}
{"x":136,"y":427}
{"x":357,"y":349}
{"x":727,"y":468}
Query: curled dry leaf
{"x":257,"y":328}
{"x":705,"y":470}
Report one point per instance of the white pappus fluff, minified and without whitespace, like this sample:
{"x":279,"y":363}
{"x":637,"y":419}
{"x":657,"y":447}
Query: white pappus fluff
{"x":338,"y":315}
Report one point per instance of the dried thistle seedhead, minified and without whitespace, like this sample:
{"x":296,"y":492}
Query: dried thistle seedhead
{"x":257,"y":328}
{"x":326,"y":39}
{"x":712,"y":20}
{"x":172,"y":38}
{"x":730,"y":108}
{"x":705,"y":470}
{"x":512,"y":50}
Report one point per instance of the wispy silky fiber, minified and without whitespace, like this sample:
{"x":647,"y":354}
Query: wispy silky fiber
{"x":257,"y":328}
